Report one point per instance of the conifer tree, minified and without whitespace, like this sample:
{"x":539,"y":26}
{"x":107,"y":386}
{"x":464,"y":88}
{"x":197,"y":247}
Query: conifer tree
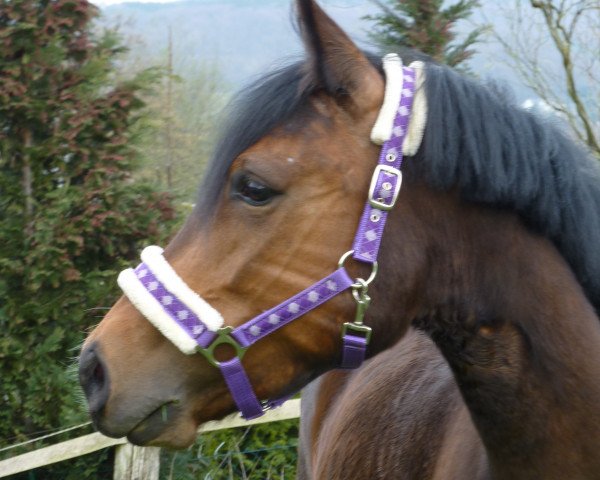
{"x":428,"y":26}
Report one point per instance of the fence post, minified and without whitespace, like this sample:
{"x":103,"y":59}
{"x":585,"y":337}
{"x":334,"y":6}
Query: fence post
{"x":136,"y":463}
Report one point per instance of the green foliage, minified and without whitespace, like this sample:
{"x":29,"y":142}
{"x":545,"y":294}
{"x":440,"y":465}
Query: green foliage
{"x":267,"y":451}
{"x":426,"y":26}
{"x":70,"y":214}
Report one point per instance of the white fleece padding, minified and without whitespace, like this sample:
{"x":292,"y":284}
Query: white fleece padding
{"x":153,"y":257}
{"x":418,"y":117}
{"x":153,"y":311}
{"x":382,"y":130}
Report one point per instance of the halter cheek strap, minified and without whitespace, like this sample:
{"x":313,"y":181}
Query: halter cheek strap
{"x":193,"y":325}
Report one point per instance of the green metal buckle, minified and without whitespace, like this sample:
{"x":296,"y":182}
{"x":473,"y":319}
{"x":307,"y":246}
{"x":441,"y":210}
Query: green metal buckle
{"x":365,"y":331}
{"x":362,"y":304}
{"x":223,"y":338}
{"x":363,"y":301}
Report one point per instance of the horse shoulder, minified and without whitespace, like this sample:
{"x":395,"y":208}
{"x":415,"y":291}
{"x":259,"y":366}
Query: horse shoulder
{"x":400,"y":416}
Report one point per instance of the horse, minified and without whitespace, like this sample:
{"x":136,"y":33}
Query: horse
{"x":484,"y":352}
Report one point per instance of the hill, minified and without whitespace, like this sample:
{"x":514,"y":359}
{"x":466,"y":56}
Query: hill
{"x":242,"y":37}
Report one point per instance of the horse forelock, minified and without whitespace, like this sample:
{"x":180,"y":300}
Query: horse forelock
{"x":253,"y":113}
{"x":476,"y":139}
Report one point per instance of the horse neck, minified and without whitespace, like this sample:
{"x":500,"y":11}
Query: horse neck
{"x":513,"y":323}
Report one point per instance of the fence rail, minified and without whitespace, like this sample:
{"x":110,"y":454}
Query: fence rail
{"x":130,"y":458}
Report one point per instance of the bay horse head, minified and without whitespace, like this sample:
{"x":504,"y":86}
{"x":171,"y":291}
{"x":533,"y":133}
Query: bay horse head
{"x":280,"y":204}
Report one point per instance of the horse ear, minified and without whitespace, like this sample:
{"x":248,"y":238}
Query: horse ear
{"x":336,"y":63}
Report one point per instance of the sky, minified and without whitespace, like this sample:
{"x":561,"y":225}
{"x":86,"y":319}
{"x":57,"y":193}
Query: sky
{"x":104,"y":3}
{"x":252,"y":49}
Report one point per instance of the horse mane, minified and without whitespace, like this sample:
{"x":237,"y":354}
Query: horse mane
{"x":476,"y":139}
{"x":501,"y":155}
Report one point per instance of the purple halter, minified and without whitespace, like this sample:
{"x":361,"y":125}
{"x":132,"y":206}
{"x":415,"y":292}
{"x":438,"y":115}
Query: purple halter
{"x":383,"y":194}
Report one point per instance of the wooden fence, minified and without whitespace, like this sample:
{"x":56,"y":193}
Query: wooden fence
{"x":131,"y":463}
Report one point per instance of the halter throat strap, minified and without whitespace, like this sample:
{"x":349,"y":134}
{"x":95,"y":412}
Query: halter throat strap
{"x":194,"y":326}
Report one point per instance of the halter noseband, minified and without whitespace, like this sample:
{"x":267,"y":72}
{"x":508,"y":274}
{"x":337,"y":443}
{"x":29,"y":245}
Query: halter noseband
{"x":194,"y":326}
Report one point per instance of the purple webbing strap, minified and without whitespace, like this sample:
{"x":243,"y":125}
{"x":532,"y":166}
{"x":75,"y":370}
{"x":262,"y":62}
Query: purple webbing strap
{"x":266,"y":323}
{"x":372,"y":223}
{"x":288,"y":311}
{"x":354,"y":351}
{"x":278,"y":402}
{"x":241,"y":389}
{"x":175,"y":308}
{"x":242,"y":392}
{"x":370,"y":230}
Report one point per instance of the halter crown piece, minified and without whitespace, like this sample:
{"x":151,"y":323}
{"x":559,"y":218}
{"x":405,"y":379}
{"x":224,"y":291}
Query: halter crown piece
{"x":193,"y":325}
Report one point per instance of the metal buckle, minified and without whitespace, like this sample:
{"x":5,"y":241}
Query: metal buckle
{"x":356,"y":328}
{"x":379,"y":203}
{"x":223,"y":338}
{"x":363,"y":301}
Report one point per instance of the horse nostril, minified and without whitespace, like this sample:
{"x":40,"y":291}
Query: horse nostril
{"x":94,"y":379}
{"x":98,"y":375}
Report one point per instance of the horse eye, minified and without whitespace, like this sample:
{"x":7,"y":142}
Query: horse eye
{"x":252,"y":191}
